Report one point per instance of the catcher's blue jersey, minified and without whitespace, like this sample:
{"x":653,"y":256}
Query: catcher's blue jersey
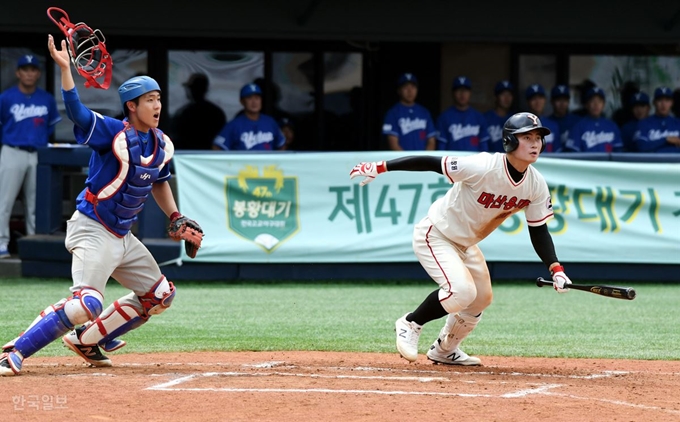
{"x":412,"y":125}
{"x":27,"y":120}
{"x":652,"y":132}
{"x":243,"y":134}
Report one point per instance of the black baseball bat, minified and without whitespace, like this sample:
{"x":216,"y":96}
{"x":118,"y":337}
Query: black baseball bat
{"x":625,"y":293}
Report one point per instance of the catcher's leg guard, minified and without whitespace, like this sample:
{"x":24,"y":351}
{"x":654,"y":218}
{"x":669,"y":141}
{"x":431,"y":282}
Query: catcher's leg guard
{"x":58,"y":319}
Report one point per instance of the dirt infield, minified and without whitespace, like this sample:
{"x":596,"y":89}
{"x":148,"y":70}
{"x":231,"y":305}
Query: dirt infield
{"x":320,"y":386}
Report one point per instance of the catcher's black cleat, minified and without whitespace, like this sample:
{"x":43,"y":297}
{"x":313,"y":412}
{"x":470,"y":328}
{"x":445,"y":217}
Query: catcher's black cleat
{"x":91,"y":354}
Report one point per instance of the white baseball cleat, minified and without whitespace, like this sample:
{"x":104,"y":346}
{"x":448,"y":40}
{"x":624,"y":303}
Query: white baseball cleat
{"x":91,"y":354}
{"x":408,"y":334}
{"x":456,"y":357}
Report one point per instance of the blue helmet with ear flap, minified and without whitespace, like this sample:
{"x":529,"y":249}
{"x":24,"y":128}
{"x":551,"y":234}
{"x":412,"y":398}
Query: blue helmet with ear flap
{"x":136,"y":87}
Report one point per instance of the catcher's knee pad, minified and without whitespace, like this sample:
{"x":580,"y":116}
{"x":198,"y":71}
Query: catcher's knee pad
{"x":85,"y":305}
{"x":159,"y":298}
{"x":115,"y":321}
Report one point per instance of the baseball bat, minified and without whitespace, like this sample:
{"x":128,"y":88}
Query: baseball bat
{"x":625,"y":293}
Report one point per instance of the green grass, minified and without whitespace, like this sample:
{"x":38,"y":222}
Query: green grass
{"x":345,"y":316}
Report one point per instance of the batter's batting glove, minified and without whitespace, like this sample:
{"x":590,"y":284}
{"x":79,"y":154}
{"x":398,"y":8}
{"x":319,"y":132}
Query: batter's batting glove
{"x":182,"y":228}
{"x":560,"y":279}
{"x":369,"y":170}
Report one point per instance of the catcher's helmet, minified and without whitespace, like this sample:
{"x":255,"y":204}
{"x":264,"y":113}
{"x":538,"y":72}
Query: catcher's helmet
{"x":522,"y":123}
{"x":136,"y":87}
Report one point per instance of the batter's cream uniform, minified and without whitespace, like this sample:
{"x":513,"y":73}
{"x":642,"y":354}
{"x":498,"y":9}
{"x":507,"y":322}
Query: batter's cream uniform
{"x":482,"y":197}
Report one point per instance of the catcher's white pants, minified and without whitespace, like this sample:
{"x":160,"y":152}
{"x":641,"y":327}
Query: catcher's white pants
{"x":98,"y":255}
{"x":462,"y":274}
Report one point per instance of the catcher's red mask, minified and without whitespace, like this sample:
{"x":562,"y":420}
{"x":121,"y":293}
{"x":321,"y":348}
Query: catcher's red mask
{"x":86,"y":48}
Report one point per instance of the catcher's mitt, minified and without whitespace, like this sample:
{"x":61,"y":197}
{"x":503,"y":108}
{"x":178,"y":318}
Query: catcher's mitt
{"x":182,"y":228}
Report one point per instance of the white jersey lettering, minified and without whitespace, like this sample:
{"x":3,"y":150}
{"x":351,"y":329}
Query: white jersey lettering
{"x":409,"y":125}
{"x":458,"y":131}
{"x":21,"y":112}
{"x":250,"y":139}
{"x":656,"y":134}
{"x":592,"y":138}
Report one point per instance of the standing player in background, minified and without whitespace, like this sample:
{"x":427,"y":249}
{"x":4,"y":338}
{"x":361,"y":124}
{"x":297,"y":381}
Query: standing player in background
{"x":661,"y":131}
{"x":559,"y":99}
{"x":251,"y":130}
{"x":535,"y":96}
{"x":640,"y":109}
{"x":408,"y":126}
{"x":27,"y":116}
{"x":461,"y":127}
{"x":594,"y":132}
{"x":495,"y":118}
{"x":129,"y":162}
{"x":487,"y":189}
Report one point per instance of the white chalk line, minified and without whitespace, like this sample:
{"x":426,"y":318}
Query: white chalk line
{"x":616,"y":402}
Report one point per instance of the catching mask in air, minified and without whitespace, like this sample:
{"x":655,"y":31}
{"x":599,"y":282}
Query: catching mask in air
{"x":86,"y":48}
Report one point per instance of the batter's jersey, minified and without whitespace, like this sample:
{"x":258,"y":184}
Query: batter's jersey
{"x":652,"y":132}
{"x":462,"y":130}
{"x":104,"y":163}
{"x":242,"y":134}
{"x":484,"y":195}
{"x":594,"y":135}
{"x":494,"y":127}
{"x":27,"y":120}
{"x":412,"y":125}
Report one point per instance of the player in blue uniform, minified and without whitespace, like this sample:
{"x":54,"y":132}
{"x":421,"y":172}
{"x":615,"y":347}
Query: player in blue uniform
{"x":594,"y":132}
{"x":461,"y":127}
{"x":535,"y":96}
{"x":495,"y":118}
{"x":639,"y":103}
{"x":559,"y":99}
{"x":661,"y":131}
{"x":129,"y":163}
{"x":408,"y":126}
{"x":27,"y":118}
{"x":251,"y":130}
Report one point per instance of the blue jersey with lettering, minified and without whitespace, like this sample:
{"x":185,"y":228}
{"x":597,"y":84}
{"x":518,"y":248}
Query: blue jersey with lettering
{"x":565,"y":123}
{"x":462,"y":130}
{"x":594,"y":135}
{"x":412,"y":125}
{"x":243,"y":134}
{"x":27,"y":120}
{"x":494,"y":127}
{"x":627,"y":135}
{"x":553,"y":142}
{"x":652,"y":132}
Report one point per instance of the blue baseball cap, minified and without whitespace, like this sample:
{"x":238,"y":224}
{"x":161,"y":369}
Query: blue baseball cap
{"x":28,"y":60}
{"x":461,"y":82}
{"x":533,"y":90}
{"x":663,"y":92}
{"x":250,"y":89}
{"x":407,"y":78}
{"x":503,"y":86}
{"x":596,"y":90}
{"x":639,"y":98}
{"x":560,"y":91}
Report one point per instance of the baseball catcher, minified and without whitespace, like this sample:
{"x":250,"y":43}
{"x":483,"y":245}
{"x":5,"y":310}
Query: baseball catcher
{"x":182,"y":228}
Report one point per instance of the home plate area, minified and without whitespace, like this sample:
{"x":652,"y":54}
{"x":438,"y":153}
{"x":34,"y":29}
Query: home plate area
{"x":300,"y":386}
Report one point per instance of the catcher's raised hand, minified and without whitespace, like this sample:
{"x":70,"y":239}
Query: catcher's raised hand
{"x":369,"y":170}
{"x":182,"y":228}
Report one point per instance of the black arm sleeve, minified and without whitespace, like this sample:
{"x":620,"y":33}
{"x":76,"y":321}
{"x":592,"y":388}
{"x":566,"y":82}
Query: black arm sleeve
{"x":416,"y":163}
{"x":543,"y":244}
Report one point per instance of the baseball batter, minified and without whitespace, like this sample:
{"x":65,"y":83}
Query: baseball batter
{"x":129,"y":163}
{"x":487,"y":189}
{"x":28,"y":115}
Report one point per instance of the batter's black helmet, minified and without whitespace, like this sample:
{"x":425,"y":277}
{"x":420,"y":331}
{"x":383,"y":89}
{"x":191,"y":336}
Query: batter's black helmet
{"x":521,"y":123}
